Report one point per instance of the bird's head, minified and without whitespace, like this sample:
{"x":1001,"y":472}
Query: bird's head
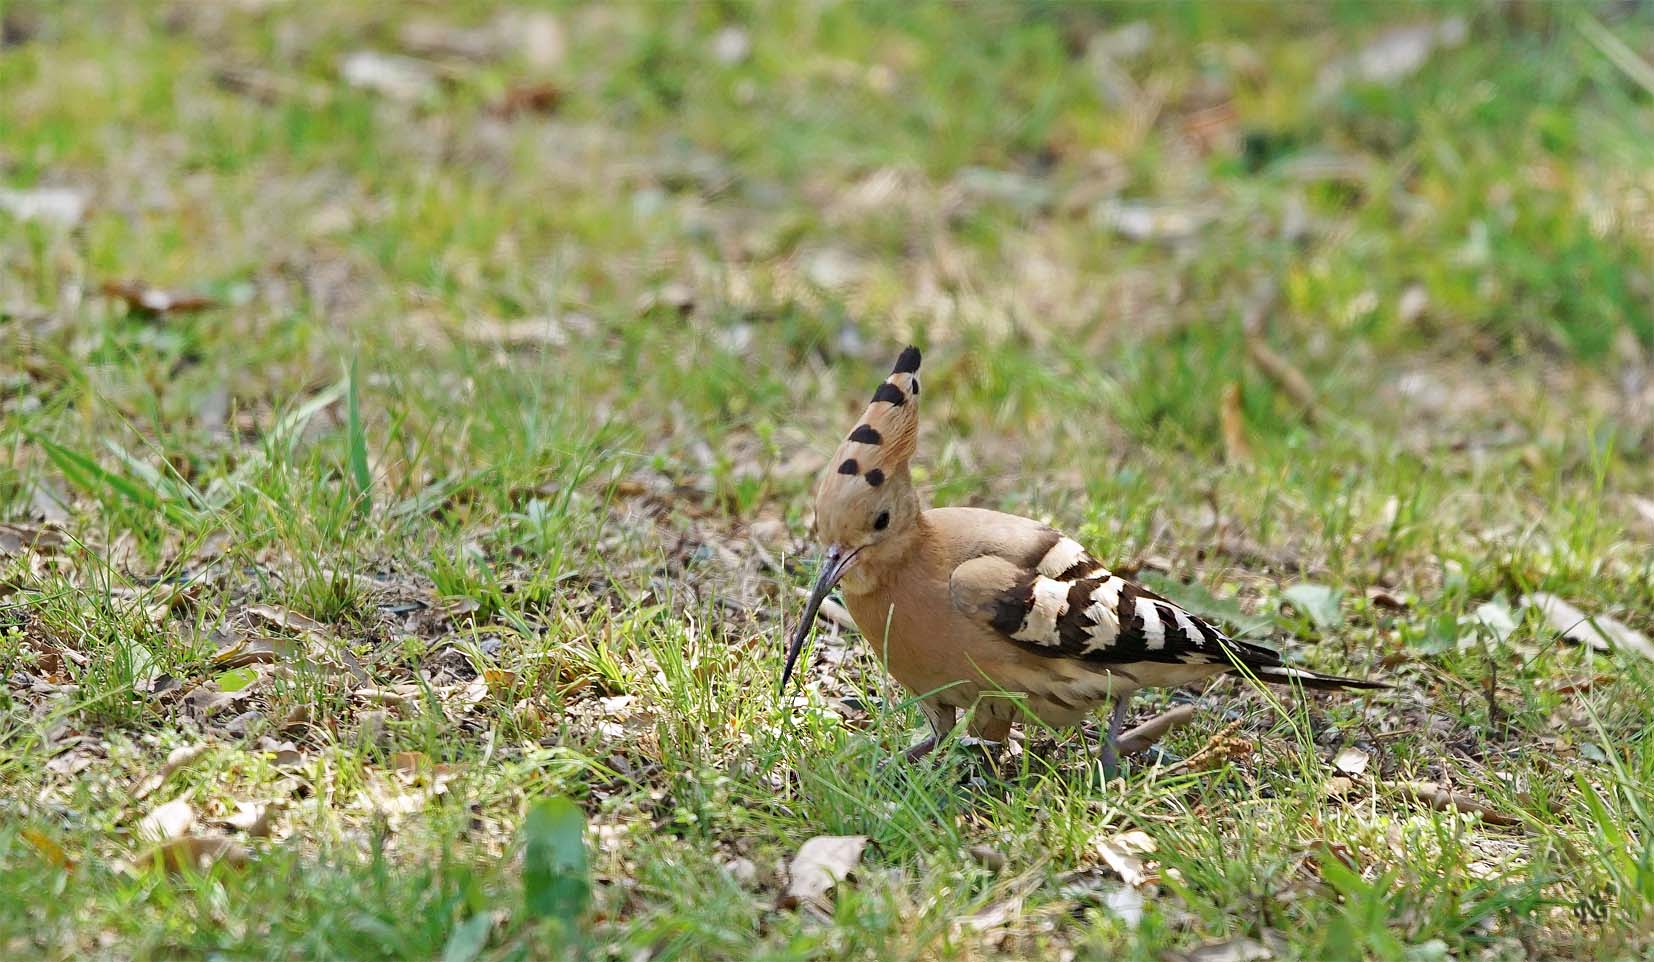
{"x":865,"y":499}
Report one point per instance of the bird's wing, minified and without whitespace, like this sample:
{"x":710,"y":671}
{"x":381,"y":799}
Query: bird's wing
{"x":1067,"y":605}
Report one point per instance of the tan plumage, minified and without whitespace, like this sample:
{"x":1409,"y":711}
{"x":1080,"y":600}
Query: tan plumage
{"x":991,"y":613}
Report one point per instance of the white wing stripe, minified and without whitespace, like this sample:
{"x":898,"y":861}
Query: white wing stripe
{"x":1050,"y":601}
{"x":1154,"y":633}
{"x":1063,"y":555}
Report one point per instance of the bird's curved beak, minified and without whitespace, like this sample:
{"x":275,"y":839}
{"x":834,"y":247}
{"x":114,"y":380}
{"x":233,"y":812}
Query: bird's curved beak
{"x":833,"y":565}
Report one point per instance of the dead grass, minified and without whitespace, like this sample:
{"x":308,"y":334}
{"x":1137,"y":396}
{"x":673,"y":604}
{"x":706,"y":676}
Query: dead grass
{"x":477,"y":472}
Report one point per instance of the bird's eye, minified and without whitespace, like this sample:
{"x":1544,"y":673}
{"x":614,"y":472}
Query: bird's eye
{"x":882,"y":521}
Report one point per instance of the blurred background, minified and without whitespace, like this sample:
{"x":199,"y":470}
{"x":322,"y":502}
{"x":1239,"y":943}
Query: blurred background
{"x":503,"y":343}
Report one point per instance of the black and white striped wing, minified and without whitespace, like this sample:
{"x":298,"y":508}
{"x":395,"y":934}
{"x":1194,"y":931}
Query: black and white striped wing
{"x":1068,"y":605}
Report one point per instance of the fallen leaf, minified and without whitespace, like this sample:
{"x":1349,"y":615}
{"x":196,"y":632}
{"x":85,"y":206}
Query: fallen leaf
{"x":1126,"y":902}
{"x":537,"y":36}
{"x":1351,"y":760}
{"x":1644,"y":506}
{"x":526,"y":332}
{"x":176,"y":759}
{"x":1384,"y":598}
{"x":1338,"y":786}
{"x":1446,"y":800}
{"x":989,"y":858}
{"x":149,"y":301}
{"x":1599,"y":632}
{"x":1142,"y":222}
{"x":254,"y":819}
{"x":821,"y":863}
{"x":17,"y":538}
{"x":1395,"y":54}
{"x":398,"y":78}
{"x":1233,"y":422}
{"x":48,"y":848}
{"x":831,"y":610}
{"x":1493,"y":619}
{"x":1581,"y":684}
{"x":1319,"y":602}
{"x":58,"y":206}
{"x":1124,"y":854}
{"x":194,"y":852}
{"x":993,"y":915}
{"x":286,"y":618}
{"x":742,"y":871}
{"x":1227,"y":950}
{"x":239,"y":652}
{"x":411,"y":763}
{"x":169,"y":821}
{"x":534,"y":98}
{"x":731,"y":45}
{"x":269,"y":87}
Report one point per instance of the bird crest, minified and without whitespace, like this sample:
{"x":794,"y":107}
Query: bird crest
{"x":884,"y":439}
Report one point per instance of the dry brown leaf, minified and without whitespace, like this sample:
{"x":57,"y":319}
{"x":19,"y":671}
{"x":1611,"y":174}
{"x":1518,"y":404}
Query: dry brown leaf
{"x":171,"y":820}
{"x":196,"y":852}
{"x":499,"y":679}
{"x":1443,"y":799}
{"x":17,"y":538}
{"x":1233,"y":422}
{"x":48,"y":848}
{"x":240,"y":651}
{"x":1581,"y":683}
{"x":283,"y":617}
{"x":141,"y":298}
{"x":176,"y":759}
{"x":1599,"y":632}
{"x":988,"y":857}
{"x":268,"y":86}
{"x":532,"y":98}
{"x":820,"y":864}
{"x":411,"y":763}
{"x":1383,"y":598}
{"x":1124,"y":854}
{"x":1351,"y":761}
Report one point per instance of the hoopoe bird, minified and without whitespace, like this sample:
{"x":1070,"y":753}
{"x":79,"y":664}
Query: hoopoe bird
{"x":994,"y":614}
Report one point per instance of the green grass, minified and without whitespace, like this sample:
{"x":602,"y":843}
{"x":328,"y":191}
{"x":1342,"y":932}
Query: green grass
{"x":524,"y":413}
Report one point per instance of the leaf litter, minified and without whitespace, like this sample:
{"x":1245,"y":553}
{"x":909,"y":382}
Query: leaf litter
{"x":820,"y":864}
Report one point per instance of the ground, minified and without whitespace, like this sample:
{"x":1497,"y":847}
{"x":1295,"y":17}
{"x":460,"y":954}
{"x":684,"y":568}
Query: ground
{"x":394,"y":449}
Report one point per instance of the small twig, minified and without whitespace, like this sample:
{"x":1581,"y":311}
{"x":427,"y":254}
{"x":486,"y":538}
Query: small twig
{"x":1145,"y":735}
{"x":1442,"y":799}
{"x":1289,"y":379}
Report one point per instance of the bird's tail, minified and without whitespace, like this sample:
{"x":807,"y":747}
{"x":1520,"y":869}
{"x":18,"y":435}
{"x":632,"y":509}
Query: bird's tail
{"x":1282,"y":675}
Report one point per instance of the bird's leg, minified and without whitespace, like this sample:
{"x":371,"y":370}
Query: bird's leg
{"x":1109,"y":752}
{"x":941,"y":718}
